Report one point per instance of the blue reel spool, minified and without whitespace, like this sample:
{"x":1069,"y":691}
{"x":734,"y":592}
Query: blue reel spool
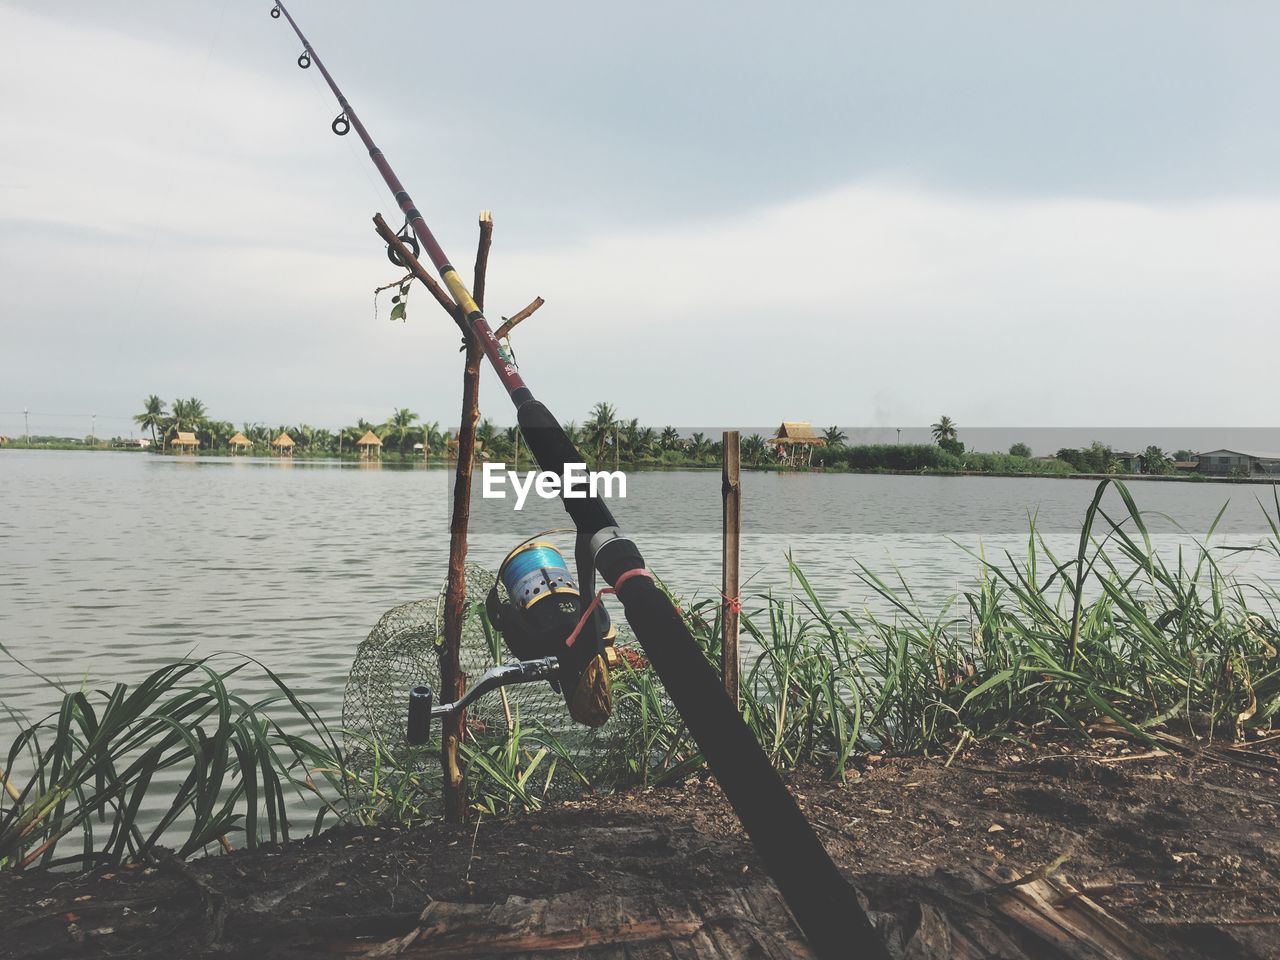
{"x":533,"y":571}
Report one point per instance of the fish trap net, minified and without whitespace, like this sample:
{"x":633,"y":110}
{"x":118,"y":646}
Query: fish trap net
{"x":402,"y":651}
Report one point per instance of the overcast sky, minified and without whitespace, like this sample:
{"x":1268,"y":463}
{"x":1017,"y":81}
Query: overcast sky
{"x":1014,"y":213}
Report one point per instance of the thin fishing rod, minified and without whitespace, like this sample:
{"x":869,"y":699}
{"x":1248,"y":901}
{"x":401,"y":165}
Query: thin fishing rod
{"x":825,"y":906}
{"x":475,"y":319}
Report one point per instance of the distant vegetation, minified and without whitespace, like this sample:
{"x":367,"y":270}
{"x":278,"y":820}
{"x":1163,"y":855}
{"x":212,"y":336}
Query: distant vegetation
{"x":607,"y":440}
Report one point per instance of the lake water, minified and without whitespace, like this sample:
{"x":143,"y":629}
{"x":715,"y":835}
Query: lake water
{"x":113,"y":564}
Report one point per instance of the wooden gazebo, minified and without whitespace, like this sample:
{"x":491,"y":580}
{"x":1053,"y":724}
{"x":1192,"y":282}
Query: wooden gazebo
{"x":240,"y":442}
{"x":184,"y":442}
{"x":796,"y":433}
{"x":370,"y":445}
{"x":282,"y":446}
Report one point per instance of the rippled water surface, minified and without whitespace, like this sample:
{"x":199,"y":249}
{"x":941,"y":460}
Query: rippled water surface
{"x":112,"y":564}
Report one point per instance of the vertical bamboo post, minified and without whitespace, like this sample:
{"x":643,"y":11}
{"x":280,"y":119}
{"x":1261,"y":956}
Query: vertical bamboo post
{"x":731,"y":492}
{"x":453,"y":682}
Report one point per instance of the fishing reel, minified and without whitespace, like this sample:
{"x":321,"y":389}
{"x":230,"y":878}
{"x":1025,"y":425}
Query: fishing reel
{"x":544,"y":621}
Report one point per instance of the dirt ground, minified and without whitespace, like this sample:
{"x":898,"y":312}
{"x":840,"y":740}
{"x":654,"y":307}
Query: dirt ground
{"x":1184,"y":846}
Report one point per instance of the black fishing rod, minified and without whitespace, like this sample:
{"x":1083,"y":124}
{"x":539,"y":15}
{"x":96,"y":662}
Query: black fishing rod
{"x":824,"y":904}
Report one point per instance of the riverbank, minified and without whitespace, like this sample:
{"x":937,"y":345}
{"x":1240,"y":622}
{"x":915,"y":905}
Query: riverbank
{"x":1178,"y":847}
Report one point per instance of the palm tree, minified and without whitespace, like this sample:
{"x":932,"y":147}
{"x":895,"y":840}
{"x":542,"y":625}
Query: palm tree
{"x":487,"y":434}
{"x":219,"y":432}
{"x":188,"y":415}
{"x":944,"y":429}
{"x":573,"y":432}
{"x":670,"y":439}
{"x":258,"y":433}
{"x":698,"y":446}
{"x":834,"y":436}
{"x":400,"y":428}
{"x":306,"y":435}
{"x":646,"y":442}
{"x":151,"y":417}
{"x":432,"y":438}
{"x":754,"y":449}
{"x":511,"y":438}
{"x":600,"y":428}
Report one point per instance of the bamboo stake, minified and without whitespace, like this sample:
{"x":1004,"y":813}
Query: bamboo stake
{"x":731,"y":492}
{"x":453,"y":682}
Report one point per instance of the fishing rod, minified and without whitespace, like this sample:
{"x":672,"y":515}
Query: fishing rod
{"x":824,"y":904}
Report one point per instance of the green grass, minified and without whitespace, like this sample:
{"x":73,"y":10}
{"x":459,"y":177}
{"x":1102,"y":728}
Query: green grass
{"x":1114,"y":631}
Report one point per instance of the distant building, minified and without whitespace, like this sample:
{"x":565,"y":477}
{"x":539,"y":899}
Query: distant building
{"x":184,"y":442}
{"x":370,"y":446}
{"x":1238,"y":463}
{"x":795,"y":433}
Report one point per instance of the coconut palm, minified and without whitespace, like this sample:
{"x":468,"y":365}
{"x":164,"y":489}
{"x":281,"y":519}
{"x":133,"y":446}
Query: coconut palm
{"x":647,"y":442}
{"x":670,"y":439}
{"x":488,"y":436}
{"x":218,"y":432}
{"x":754,"y":449}
{"x":188,"y":415}
{"x":399,"y":428}
{"x":151,"y":417}
{"x":698,"y":446}
{"x":306,"y":435}
{"x":432,"y":438}
{"x":944,"y":429}
{"x":834,"y":436}
{"x":600,"y":428}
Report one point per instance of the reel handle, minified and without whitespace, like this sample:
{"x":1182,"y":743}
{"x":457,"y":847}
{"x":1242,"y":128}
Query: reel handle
{"x":420,"y":700}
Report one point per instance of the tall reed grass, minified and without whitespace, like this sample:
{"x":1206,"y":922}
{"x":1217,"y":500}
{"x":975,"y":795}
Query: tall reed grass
{"x":1114,"y":631}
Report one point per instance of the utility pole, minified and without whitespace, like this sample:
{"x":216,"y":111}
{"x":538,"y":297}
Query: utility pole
{"x":93,"y":429}
{"x":26,"y":424}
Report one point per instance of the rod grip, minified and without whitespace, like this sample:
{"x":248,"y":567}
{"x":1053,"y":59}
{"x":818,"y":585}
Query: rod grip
{"x":824,"y":904}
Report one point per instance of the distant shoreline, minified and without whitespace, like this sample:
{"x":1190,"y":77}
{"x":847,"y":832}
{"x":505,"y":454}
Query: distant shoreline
{"x":441,"y":462}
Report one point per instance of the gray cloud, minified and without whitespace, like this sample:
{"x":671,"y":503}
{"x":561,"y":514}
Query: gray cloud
{"x":981,"y":202}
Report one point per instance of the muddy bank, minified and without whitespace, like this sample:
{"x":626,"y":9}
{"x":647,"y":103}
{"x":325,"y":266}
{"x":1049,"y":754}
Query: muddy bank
{"x":1183,"y":847}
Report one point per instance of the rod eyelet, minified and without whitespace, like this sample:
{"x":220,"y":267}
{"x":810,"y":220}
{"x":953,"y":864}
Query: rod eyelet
{"x":275,"y":13}
{"x":304,"y":60}
{"x":341,"y":125}
{"x":410,"y":241}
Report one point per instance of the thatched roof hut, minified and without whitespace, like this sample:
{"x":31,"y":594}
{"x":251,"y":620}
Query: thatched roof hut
{"x":239,"y":441}
{"x":370,"y":444}
{"x":184,"y":440}
{"x":283,"y":445}
{"x":798,"y":432}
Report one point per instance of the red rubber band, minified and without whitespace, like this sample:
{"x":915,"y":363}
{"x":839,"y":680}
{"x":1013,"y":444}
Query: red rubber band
{"x":595,"y":601}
